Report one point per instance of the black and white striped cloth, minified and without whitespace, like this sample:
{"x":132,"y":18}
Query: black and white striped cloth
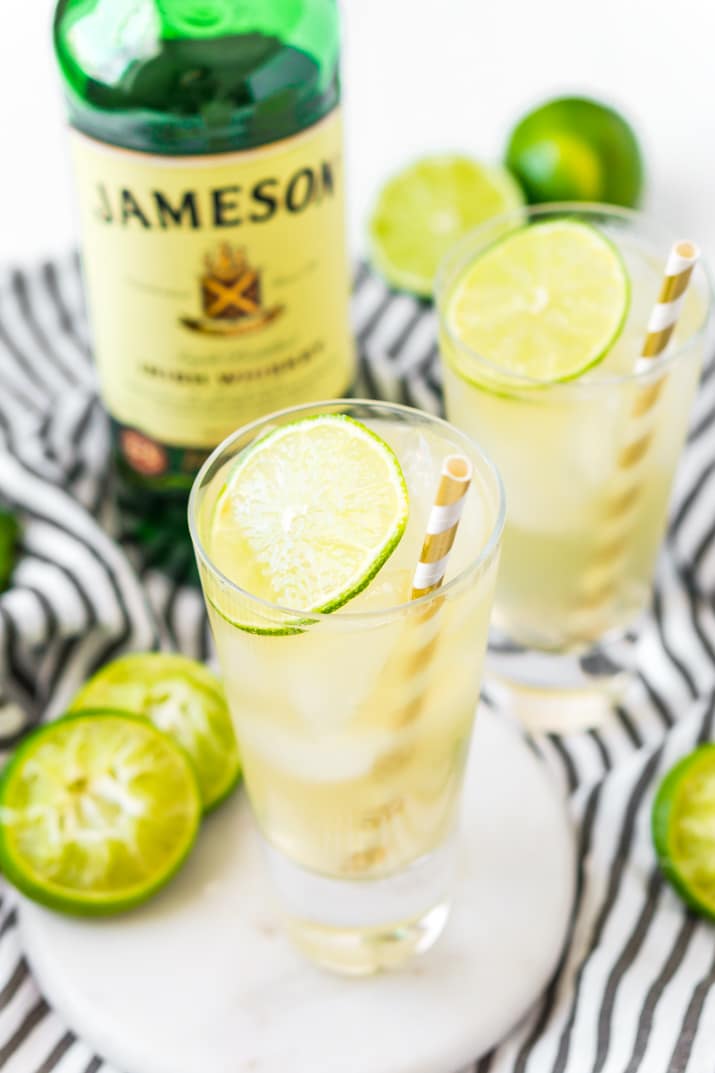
{"x":634,"y":990}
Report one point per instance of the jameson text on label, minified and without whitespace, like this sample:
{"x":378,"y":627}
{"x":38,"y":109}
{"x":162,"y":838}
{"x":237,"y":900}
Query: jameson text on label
{"x":218,"y":286}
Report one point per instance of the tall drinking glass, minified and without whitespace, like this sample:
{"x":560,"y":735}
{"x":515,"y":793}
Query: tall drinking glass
{"x":586,"y":512}
{"x":354,"y":726}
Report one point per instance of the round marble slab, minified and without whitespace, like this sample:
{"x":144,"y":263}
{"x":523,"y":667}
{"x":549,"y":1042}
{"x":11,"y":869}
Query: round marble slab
{"x":202,"y":978}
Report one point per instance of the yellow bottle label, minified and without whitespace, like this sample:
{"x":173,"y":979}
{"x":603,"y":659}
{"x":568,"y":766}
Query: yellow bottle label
{"x":218,"y":286}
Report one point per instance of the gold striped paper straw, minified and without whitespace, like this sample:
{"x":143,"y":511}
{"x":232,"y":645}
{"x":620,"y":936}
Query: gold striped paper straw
{"x":441,"y":530}
{"x":385,"y":822}
{"x":679,"y":268}
{"x":442,"y":524}
{"x":607,"y":559}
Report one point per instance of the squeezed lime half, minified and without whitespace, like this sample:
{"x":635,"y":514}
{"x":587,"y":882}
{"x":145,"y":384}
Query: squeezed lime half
{"x":98,"y":810}
{"x":185,"y":700}
{"x":683,"y":828}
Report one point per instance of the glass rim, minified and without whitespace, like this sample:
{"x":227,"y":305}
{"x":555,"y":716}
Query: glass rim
{"x":487,"y":552}
{"x":458,"y":253}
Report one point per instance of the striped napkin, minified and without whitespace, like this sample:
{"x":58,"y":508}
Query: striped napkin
{"x":634,"y":988}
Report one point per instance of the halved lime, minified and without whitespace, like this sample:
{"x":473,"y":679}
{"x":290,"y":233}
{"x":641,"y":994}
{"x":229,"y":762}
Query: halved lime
{"x":683,"y":827}
{"x":421,"y":212}
{"x":98,"y":810}
{"x":545,"y":303}
{"x":182,"y":698}
{"x":309,"y":514}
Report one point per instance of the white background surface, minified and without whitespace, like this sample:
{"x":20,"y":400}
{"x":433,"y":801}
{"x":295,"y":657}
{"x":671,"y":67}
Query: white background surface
{"x":422,"y":75}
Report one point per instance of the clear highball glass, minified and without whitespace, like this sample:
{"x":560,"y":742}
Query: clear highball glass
{"x":585,"y":517}
{"x":354,"y":726}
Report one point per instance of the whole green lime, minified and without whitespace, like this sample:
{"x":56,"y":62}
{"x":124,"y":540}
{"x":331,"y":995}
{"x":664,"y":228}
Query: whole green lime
{"x":576,"y":149}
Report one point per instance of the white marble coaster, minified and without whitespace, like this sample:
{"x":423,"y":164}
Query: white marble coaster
{"x":201,"y":980}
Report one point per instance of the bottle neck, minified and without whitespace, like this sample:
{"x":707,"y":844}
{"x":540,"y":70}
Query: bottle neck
{"x":220,"y":131}
{"x":181,"y":78}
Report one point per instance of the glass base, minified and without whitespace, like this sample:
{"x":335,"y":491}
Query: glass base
{"x":561,"y":692}
{"x":359,"y":927}
{"x":365,"y":951}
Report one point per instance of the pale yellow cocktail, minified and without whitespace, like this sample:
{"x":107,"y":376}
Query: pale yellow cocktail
{"x":583,"y":531}
{"x":354,"y":726}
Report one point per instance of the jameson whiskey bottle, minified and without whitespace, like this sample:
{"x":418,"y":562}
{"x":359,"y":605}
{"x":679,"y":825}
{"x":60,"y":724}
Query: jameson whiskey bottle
{"x":207,"y":146}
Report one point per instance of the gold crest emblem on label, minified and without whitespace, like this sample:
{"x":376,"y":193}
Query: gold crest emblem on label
{"x":231,"y":296}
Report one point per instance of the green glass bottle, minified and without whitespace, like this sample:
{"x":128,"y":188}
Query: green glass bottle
{"x":208,"y":153}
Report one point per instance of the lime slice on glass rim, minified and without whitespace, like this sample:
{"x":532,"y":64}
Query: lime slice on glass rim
{"x":98,"y":810}
{"x":683,"y":828}
{"x":421,"y":212}
{"x":544,"y":303}
{"x":182,"y":698}
{"x":308,"y":515}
